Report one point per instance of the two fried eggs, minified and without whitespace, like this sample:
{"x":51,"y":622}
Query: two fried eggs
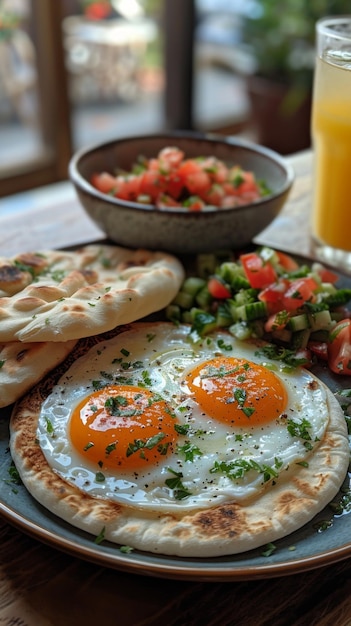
{"x":157,"y":418}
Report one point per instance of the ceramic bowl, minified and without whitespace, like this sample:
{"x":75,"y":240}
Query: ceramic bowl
{"x":135,"y":225}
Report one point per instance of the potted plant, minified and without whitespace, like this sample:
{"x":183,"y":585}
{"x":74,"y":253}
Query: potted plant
{"x":280,"y":37}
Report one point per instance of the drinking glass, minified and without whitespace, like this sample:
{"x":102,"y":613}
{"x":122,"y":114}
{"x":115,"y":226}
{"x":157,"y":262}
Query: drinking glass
{"x":331,"y":138}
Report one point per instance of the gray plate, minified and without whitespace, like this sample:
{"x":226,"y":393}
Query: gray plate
{"x":308,"y":548}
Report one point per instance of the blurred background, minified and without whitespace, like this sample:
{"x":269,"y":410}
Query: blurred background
{"x":75,"y":72}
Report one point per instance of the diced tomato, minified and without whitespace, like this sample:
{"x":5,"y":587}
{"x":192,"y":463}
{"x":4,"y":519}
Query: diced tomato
{"x":304,"y":356}
{"x":104,"y":182}
{"x":300,"y":291}
{"x":169,"y":172}
{"x":319,"y":348}
{"x":286,"y":261}
{"x":273,"y":295}
{"x":194,"y":203}
{"x":195,"y":179}
{"x":214,"y":196}
{"x":164,"y":200}
{"x":151,"y":184}
{"x":339,"y":348}
{"x":216,"y":169}
{"x":153,"y":164}
{"x":174,"y":185}
{"x":127,"y":187}
{"x":326,"y":275}
{"x":258,"y":273}
{"x":218,"y":289}
{"x":277,"y":321}
{"x":170,"y":158}
{"x":243,"y":181}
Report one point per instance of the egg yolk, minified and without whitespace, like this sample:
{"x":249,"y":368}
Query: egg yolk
{"x":122,"y":427}
{"x":237,"y":391}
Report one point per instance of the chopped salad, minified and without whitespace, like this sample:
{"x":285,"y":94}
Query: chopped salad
{"x":299,"y":310}
{"x":171,"y":180}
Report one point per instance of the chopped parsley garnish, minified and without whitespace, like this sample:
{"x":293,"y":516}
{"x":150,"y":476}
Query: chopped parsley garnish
{"x":126,"y":549}
{"x":110,"y":448}
{"x":88,"y":446}
{"x":224,"y":346}
{"x":179,"y":491}
{"x":118,"y":407}
{"x":299,"y":429}
{"x":269,"y":549}
{"x":49,"y":426}
{"x":150,"y":443}
{"x":100,"y":477}
{"x":15,"y":478}
{"x":146,"y":378}
{"x":181,"y":429}
{"x":190,"y":451}
{"x":101,"y":536}
{"x":279,"y":353}
{"x":237,"y":469}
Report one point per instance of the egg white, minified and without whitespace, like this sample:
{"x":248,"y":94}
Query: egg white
{"x":162,"y":354}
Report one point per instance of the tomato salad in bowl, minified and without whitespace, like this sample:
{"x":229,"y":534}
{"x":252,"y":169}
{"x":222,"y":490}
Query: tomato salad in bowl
{"x":267,"y":295}
{"x":172,"y":180}
{"x":163,"y":202}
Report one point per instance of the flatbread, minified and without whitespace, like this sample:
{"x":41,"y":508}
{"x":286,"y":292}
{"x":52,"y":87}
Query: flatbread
{"x":24,"y":364}
{"x":288,"y":502}
{"x":60,"y":296}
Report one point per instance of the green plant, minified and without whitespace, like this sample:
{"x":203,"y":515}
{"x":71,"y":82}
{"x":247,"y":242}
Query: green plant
{"x":281,"y":37}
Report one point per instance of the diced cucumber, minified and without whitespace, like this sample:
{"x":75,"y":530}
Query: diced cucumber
{"x":244,"y":296}
{"x":251,"y":311}
{"x":233,"y":274}
{"x":327,"y":289}
{"x":240,"y":330}
{"x":184,"y":300}
{"x":186,"y":317}
{"x":173,"y":313}
{"x":206,"y":265}
{"x":203,"y":297}
{"x":202,"y":322}
{"x":340,"y":297}
{"x":193,"y":284}
{"x":320,"y":319}
{"x":269,"y":255}
{"x":223,"y":317}
{"x":298,"y":322}
{"x":300,"y":338}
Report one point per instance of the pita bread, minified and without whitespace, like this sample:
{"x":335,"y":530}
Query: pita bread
{"x":60,"y":296}
{"x":24,"y":364}
{"x":285,"y":505}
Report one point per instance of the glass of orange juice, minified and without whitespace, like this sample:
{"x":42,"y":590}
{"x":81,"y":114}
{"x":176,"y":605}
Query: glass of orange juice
{"x":331,"y":138}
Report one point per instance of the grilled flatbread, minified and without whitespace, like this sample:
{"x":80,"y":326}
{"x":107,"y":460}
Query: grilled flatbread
{"x":282,"y":506}
{"x":24,"y":364}
{"x":59,"y":296}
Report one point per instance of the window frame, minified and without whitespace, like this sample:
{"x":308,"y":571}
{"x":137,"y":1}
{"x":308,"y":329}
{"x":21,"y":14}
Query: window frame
{"x":54,"y":110}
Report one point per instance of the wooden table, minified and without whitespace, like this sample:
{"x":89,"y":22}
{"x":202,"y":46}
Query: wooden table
{"x":42,"y":586}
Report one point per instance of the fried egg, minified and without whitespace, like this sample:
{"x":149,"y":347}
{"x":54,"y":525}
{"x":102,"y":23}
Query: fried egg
{"x":157,"y":418}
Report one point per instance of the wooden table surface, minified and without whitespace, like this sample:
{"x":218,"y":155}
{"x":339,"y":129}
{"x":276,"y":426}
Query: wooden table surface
{"x":43,"y":586}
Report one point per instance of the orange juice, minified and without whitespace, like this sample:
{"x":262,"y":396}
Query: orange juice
{"x":331,"y":134}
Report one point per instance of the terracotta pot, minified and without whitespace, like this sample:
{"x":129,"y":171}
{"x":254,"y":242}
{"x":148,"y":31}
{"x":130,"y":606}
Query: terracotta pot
{"x":280,"y":115}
